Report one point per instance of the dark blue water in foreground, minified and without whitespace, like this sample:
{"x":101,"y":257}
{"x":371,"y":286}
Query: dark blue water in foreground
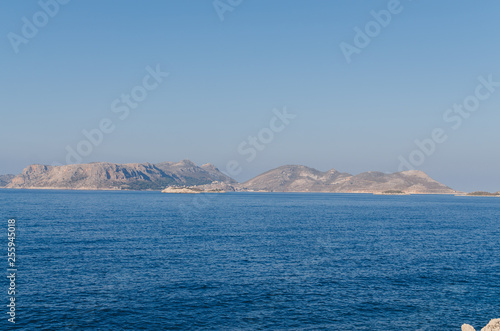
{"x":145,"y":260}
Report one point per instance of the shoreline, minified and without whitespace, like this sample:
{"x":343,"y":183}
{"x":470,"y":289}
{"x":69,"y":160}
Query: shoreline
{"x":477,"y":196}
{"x":242,"y":191}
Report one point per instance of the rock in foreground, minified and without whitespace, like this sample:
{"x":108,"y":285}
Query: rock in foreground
{"x":493,"y":325}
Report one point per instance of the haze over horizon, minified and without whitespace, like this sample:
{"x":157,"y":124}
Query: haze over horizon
{"x":230,"y":81}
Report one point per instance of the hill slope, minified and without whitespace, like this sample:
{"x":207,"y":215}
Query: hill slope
{"x":296,"y":178}
{"x":5,"y":179}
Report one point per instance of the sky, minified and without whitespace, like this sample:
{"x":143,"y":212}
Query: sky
{"x":252,"y":85}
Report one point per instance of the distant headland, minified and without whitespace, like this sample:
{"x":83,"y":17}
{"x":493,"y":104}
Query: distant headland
{"x":187,"y":177}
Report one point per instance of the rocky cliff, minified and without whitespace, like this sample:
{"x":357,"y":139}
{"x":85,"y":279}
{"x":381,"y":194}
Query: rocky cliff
{"x":5,"y":180}
{"x":132,"y":176}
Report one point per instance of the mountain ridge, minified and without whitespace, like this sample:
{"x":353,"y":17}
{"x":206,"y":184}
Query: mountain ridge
{"x":185,"y":173}
{"x":296,"y":178}
{"x":112,"y":176}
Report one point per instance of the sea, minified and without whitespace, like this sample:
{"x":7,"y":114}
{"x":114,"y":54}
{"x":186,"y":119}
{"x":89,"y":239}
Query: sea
{"x":124,"y":260}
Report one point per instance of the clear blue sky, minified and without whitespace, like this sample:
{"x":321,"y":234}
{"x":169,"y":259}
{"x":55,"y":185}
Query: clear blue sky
{"x":226,"y":77}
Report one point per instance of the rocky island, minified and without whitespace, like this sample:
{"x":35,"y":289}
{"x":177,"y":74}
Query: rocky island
{"x":393,"y":192}
{"x":214,"y":187}
{"x":483,"y":194}
{"x":181,"y":189}
{"x":111,"y":176}
{"x":187,"y":177}
{"x":296,"y":178}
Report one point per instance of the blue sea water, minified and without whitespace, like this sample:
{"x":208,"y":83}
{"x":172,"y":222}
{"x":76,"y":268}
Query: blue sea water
{"x":146,"y":260}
